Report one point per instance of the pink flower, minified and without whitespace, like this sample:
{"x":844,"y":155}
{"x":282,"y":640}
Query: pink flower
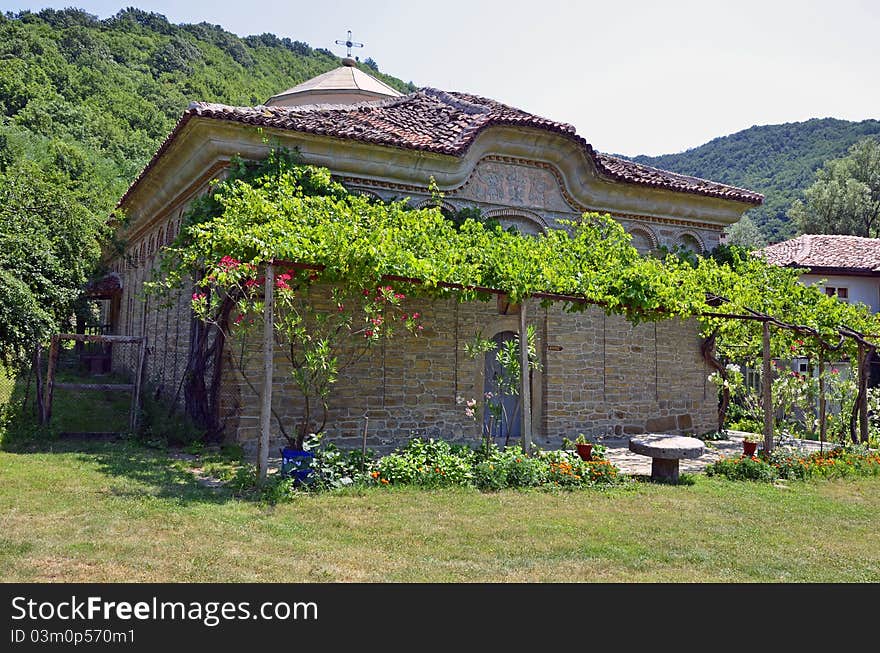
{"x":416,"y":316}
{"x":229,"y":263}
{"x":340,"y":307}
{"x":368,"y":334}
{"x":239,"y":319}
{"x":198,"y":296}
{"x":469,"y":412}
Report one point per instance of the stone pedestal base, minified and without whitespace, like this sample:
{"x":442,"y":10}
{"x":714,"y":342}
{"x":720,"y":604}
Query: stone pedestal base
{"x":664,"y":469}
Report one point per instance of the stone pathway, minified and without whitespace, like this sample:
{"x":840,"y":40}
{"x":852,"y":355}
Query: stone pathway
{"x":635,"y":464}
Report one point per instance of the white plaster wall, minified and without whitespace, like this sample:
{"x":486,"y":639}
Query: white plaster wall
{"x":861,"y":289}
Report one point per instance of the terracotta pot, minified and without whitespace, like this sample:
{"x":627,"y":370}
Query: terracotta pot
{"x":585,"y":451}
{"x":749,"y":448}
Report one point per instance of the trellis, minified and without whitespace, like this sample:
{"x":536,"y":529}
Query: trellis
{"x":866,"y":347}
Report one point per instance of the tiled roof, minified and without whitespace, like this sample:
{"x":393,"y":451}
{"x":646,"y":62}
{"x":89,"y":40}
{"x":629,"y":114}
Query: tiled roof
{"x":826,"y":251}
{"x":441,"y":122}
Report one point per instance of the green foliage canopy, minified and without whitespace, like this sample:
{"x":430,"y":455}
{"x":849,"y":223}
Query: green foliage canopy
{"x":295,"y":213}
{"x":845,"y":198}
{"x":49,"y":242}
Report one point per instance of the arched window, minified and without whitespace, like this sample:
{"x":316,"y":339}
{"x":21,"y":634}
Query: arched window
{"x":525,"y":222}
{"x":643,"y":240}
{"x":690,"y":242}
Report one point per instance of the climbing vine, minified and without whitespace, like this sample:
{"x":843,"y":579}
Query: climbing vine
{"x":281,"y":211}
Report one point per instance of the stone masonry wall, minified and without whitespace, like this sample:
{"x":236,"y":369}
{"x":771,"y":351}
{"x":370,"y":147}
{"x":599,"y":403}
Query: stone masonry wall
{"x":600,"y":376}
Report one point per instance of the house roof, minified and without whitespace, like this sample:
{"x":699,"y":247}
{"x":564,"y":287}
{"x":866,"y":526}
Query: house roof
{"x":442,"y":122}
{"x":826,"y":252}
{"x":345,"y":79}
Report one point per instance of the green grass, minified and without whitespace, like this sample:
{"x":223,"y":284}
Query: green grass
{"x":119,"y":512}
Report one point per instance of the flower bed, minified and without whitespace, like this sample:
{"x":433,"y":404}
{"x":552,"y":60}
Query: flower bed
{"x":792,"y":464}
{"x":433,"y":463}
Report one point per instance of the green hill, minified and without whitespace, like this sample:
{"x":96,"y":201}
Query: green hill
{"x":777,"y":160}
{"x":92,"y":99}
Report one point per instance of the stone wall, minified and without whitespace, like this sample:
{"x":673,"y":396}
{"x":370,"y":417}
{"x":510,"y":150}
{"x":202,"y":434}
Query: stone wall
{"x":600,"y":376}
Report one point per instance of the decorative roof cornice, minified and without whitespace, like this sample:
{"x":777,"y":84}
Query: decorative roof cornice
{"x":440,"y":122}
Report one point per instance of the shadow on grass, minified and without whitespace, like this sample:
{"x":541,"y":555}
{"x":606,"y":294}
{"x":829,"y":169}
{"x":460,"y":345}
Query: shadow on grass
{"x":683,"y":479}
{"x":145,"y":471}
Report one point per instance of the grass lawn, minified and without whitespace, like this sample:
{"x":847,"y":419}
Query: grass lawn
{"x":120,"y":512}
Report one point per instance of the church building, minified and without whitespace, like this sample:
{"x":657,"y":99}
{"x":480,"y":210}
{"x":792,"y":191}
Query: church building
{"x":599,"y":375}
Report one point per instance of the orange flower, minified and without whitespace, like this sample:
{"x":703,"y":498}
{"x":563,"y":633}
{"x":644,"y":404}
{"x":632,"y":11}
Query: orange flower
{"x":385,"y":481}
{"x":375,"y":474}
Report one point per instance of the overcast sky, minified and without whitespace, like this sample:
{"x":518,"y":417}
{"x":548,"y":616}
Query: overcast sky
{"x":633,"y":77}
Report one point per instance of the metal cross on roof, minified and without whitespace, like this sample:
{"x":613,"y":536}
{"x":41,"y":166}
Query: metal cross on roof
{"x":348,"y":43}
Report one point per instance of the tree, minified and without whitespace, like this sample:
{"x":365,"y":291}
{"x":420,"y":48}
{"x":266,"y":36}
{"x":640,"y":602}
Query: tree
{"x":49,"y":241}
{"x":745,"y":234}
{"x":845,"y":198}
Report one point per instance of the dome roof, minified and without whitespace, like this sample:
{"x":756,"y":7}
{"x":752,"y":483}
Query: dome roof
{"x":344,"y":85}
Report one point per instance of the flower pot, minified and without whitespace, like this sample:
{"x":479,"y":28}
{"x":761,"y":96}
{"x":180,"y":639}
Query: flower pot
{"x":296,"y":464}
{"x":585,"y":451}
{"x":749,"y":448}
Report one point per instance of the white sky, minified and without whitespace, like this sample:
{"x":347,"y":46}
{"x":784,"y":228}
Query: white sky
{"x":633,"y":77}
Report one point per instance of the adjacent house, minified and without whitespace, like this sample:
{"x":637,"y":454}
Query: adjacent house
{"x":847,"y":267}
{"x":599,"y":374}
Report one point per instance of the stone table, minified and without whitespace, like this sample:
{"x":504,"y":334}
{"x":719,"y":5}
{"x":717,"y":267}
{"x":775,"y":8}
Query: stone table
{"x":665,"y":452}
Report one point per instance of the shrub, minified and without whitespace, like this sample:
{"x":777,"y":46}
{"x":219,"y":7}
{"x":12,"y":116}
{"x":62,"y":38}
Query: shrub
{"x":743,"y":468}
{"x":794,"y":464}
{"x":333,"y":467}
{"x":430,"y":463}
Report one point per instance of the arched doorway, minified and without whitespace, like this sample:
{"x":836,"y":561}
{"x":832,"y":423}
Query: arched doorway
{"x":502,"y":417}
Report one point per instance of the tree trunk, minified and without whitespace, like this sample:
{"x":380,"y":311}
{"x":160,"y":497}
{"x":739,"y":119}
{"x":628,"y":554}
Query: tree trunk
{"x":201,"y":390}
{"x":707,"y":347}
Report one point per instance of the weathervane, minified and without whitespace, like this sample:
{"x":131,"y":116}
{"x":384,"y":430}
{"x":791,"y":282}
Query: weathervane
{"x":348,"y":43}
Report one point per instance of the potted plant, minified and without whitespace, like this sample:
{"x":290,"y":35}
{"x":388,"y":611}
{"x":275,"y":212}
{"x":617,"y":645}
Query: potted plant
{"x":584,"y":448}
{"x":750,"y":444}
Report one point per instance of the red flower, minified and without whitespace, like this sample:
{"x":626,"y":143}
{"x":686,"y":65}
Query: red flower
{"x":229,"y":263}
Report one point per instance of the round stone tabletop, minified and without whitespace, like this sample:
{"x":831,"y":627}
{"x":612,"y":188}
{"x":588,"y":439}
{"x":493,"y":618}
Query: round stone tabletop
{"x":669,"y":447}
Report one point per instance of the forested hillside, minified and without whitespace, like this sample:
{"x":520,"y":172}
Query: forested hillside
{"x":94,"y":98}
{"x":85,"y":103}
{"x":777,"y":160}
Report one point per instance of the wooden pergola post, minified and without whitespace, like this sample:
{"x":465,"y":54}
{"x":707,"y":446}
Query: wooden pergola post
{"x":863,"y":392}
{"x":767,"y":389}
{"x":50,"y":381}
{"x":823,"y":427}
{"x":525,"y":386}
{"x":268,"y":373}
